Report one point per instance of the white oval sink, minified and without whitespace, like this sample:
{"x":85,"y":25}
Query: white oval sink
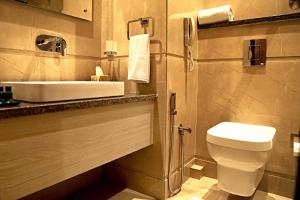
{"x":47,"y":91}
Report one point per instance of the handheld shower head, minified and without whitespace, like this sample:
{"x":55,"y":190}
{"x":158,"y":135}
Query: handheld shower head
{"x":173,"y":104}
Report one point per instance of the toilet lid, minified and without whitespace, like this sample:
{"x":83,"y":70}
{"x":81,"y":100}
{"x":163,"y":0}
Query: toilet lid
{"x":242,"y":136}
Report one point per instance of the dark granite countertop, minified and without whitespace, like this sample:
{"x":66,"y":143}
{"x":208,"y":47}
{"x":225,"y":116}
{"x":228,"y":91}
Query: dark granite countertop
{"x":25,"y":108}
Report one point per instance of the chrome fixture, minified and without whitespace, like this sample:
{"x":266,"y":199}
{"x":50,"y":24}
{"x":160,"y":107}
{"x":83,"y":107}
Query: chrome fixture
{"x":181,"y":131}
{"x":294,"y":4}
{"x":51,"y":44}
{"x":188,"y":32}
{"x":144,"y":21}
{"x":255,"y":52}
{"x":173,"y":104}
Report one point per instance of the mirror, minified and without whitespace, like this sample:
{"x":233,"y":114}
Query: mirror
{"x":82,"y":9}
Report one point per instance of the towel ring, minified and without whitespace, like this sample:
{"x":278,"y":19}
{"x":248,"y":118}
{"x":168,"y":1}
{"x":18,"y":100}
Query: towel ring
{"x":144,"y":21}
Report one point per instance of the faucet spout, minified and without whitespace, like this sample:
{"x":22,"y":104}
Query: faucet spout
{"x":63,"y":48}
{"x":182,"y":129}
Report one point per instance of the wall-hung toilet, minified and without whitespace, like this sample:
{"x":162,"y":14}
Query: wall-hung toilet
{"x":241,"y":152}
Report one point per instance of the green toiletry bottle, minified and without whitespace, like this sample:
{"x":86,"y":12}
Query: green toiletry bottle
{"x":8,"y":97}
{"x":1,"y":96}
{"x":8,"y":94}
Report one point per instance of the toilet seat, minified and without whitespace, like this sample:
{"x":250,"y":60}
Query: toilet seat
{"x":241,"y":152}
{"x":242,"y":136}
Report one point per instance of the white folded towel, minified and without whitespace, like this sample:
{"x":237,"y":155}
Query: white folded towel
{"x":213,"y":15}
{"x":139,"y":58}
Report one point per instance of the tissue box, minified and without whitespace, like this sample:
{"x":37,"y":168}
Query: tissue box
{"x":95,"y":78}
{"x":105,"y":78}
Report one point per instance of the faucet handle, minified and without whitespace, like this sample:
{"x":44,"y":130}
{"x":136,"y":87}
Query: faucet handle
{"x":51,"y":44}
{"x":182,"y":129}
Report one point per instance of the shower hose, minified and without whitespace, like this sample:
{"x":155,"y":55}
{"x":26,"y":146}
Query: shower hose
{"x":174,"y":191}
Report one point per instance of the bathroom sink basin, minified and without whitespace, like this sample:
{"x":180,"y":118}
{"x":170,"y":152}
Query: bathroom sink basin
{"x":48,"y":91}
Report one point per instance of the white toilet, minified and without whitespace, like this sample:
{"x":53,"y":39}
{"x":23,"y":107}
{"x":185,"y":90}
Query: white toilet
{"x":241,"y":152}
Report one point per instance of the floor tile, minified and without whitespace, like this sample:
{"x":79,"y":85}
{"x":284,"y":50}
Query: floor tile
{"x":207,"y":189}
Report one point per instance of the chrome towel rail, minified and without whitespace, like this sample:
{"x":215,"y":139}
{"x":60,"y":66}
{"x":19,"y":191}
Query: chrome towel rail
{"x":144,"y":21}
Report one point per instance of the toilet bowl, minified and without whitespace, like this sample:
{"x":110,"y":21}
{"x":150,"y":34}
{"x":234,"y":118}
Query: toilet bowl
{"x":241,"y":152}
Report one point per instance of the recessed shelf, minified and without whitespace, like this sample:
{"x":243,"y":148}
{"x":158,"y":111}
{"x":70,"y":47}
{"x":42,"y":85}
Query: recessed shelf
{"x":276,"y":18}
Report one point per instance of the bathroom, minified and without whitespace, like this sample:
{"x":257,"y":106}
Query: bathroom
{"x":64,"y":136}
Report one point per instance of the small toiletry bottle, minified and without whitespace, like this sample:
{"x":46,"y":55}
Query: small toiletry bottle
{"x":2,"y":94}
{"x":8,"y":95}
{"x":6,"y":98}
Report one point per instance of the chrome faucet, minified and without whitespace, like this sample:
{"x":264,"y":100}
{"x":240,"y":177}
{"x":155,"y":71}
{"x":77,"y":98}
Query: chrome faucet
{"x":182,"y":129}
{"x":62,"y":47}
{"x":52,"y":44}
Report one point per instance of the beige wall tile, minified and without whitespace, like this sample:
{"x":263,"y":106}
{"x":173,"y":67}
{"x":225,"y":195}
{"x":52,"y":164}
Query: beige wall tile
{"x":148,"y":162}
{"x":30,"y":67}
{"x":83,"y":37}
{"x":20,"y":60}
{"x":116,"y":14}
{"x":226,"y":43}
{"x":258,"y":96}
{"x":17,"y":21}
{"x":184,"y":83}
{"x":284,"y":8}
{"x":176,"y":12}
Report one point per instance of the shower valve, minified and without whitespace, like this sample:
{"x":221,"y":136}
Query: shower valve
{"x":182,"y":129}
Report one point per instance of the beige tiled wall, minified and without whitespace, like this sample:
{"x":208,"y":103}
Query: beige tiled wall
{"x":116,"y":14}
{"x":142,"y":170}
{"x":19,"y":58}
{"x":268,"y":95}
{"x":182,"y":81}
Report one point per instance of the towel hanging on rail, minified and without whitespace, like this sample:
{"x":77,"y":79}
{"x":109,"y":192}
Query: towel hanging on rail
{"x":139,"y":58}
